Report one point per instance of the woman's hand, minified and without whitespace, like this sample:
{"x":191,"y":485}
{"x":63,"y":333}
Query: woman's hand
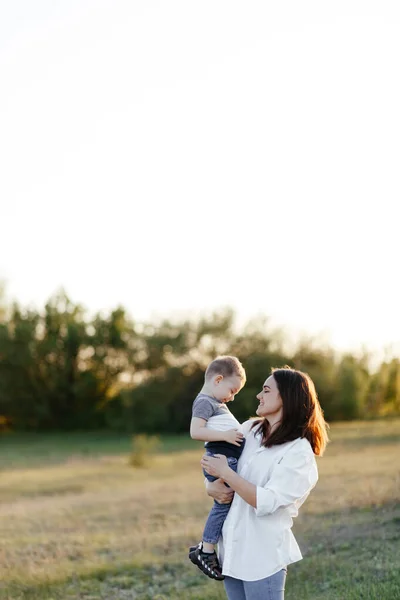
{"x":218,"y":490}
{"x":216,"y":465}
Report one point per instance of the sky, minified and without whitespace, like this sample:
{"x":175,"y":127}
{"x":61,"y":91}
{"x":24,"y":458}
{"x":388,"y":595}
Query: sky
{"x":178,"y":157}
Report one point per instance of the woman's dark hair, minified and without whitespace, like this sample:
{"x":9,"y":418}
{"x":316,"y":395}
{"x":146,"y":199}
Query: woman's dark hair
{"x":302,"y":415}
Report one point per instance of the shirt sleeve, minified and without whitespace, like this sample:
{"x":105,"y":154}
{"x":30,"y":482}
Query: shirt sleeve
{"x":292,"y":479}
{"x":202,"y":408}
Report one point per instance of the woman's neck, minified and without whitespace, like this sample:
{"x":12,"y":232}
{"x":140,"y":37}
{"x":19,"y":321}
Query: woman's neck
{"x":274,"y":423}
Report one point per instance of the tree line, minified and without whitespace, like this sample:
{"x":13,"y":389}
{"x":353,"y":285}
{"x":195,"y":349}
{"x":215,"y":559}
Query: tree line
{"x":63,"y":370}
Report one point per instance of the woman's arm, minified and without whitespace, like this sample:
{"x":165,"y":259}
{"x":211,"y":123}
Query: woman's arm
{"x":218,"y":490}
{"x":291,"y":481}
{"x":245,"y":489}
{"x":218,"y":467}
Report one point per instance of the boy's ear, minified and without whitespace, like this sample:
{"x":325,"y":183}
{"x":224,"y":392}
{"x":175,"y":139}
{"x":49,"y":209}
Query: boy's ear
{"x":218,"y":379}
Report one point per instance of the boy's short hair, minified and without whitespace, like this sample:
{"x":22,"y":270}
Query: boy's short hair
{"x":227,"y":366}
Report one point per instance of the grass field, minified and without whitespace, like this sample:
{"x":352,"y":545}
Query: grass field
{"x":77,"y":522}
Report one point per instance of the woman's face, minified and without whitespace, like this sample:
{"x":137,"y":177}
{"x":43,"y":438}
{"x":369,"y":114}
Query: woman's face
{"x":270,"y":401}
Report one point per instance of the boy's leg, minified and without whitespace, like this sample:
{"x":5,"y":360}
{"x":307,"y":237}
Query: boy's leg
{"x":204,"y":555}
{"x":217,"y":515}
{"x":215,"y":522}
{"x":209,"y":478}
{"x":209,"y":547}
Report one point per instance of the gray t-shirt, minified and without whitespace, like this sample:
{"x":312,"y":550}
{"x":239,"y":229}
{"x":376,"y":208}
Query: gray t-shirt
{"x":216,"y":413}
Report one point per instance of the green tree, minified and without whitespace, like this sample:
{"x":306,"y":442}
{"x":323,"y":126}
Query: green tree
{"x":60,"y":369}
{"x":352,"y":383}
{"x":57,"y":371}
{"x":384,"y":391}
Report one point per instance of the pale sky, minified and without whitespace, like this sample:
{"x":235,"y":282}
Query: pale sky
{"x":179,"y":156}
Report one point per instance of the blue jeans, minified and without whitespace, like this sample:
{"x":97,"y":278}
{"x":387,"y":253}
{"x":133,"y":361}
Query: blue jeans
{"x":270,"y":588}
{"x":219,"y":512}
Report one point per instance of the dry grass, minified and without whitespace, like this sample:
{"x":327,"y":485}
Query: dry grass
{"x":94,"y":527}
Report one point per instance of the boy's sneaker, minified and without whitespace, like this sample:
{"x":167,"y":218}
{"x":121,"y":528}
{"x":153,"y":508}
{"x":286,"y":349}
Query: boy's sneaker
{"x":206,"y":561}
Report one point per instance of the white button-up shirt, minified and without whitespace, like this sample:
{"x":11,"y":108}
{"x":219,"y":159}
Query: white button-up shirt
{"x":258,"y":542}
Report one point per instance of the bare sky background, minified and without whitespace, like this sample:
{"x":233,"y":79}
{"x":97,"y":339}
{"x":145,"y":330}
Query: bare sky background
{"x":183,"y":156}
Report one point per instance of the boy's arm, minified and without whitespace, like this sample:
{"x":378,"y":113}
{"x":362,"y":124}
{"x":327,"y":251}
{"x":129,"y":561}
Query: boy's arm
{"x":199,"y":431}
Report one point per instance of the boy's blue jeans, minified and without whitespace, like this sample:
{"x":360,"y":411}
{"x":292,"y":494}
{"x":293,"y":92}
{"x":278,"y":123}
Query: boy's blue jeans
{"x":219,"y":512}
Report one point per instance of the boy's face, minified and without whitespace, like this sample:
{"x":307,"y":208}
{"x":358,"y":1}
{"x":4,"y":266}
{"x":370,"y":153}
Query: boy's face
{"x":225,"y":388}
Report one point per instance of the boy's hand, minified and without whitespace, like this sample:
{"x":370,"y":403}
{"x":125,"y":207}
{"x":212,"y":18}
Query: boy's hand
{"x":233,"y":436}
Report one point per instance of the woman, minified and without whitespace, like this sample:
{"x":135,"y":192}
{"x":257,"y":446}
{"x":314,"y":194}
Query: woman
{"x":276,"y":473}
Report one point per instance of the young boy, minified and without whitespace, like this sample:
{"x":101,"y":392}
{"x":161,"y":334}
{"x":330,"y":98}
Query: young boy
{"x":213,"y":423}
